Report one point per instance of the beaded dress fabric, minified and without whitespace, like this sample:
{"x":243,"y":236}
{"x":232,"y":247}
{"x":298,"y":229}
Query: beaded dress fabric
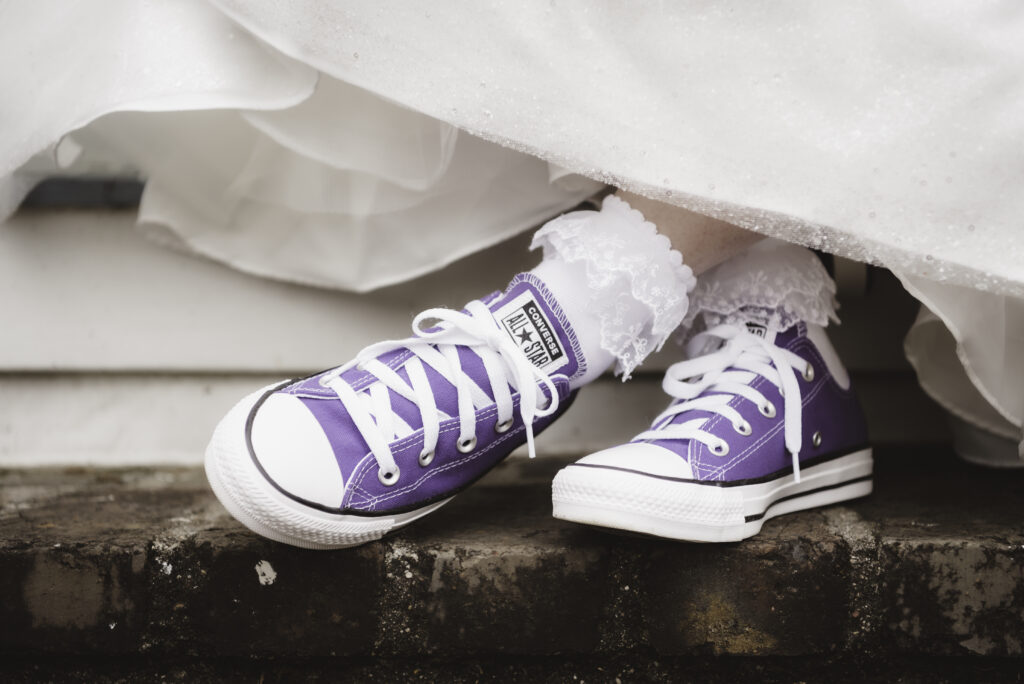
{"x":891,"y":133}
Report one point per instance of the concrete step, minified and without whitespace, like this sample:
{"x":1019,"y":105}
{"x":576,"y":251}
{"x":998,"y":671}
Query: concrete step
{"x":144,"y":563}
{"x":559,"y":669}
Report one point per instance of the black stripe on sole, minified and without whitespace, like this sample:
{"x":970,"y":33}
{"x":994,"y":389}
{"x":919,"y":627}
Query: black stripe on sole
{"x":758,"y":516}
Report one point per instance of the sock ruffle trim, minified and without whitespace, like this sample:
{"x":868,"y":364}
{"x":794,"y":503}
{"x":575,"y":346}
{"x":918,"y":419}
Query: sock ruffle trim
{"x":781,"y":282}
{"x":638,"y":284}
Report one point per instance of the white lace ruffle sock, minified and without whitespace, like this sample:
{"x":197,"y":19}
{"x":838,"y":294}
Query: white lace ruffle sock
{"x":622,"y":286}
{"x":773,"y":282}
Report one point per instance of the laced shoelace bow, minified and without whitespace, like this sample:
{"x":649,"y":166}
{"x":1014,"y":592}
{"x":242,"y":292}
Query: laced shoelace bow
{"x":709,"y":382}
{"x":507,"y":370}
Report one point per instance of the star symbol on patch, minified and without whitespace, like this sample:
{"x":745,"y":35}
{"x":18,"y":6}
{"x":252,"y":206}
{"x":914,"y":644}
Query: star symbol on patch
{"x":525,"y":336}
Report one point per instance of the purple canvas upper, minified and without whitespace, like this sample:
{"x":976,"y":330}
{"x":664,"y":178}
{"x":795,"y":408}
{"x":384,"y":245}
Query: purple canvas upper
{"x":531,"y":316}
{"x":828,"y":409}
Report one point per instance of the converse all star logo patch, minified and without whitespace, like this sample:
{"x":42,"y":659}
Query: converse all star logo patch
{"x":526,"y":323}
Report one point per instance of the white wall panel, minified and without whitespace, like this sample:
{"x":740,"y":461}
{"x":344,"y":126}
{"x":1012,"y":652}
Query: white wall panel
{"x":121,"y":419}
{"x":82,"y":290}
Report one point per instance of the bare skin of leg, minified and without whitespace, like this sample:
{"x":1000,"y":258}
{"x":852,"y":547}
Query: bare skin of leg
{"x":703,"y":241}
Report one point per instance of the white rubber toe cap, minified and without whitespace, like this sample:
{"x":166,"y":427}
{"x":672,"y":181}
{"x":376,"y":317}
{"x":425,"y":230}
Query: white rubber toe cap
{"x":294,"y":452}
{"x":642,"y":457}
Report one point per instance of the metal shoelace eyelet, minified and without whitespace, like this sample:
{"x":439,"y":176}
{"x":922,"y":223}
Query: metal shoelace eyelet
{"x":466,"y":445}
{"x":720,"y":449}
{"x":388,"y":478}
{"x":809,"y":373}
{"x":816,"y":439}
{"x":742,"y":428}
{"x":504,"y":426}
{"x":767,"y":410}
{"x":426,"y":457}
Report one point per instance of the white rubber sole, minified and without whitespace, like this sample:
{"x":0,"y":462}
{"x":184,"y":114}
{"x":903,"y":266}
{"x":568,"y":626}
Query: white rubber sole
{"x":688,"y":511}
{"x":257,"y":504}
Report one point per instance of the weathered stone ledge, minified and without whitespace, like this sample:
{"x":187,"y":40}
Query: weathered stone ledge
{"x":99,"y":562}
{"x":577,"y":669}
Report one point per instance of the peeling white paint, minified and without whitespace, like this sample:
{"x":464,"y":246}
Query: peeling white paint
{"x":265,"y":572}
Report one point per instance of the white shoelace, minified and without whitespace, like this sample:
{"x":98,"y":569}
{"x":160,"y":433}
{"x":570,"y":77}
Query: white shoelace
{"x":709,"y":382}
{"x":504,"y":362}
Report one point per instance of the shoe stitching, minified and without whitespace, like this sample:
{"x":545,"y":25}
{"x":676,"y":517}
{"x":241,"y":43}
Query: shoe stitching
{"x":453,"y":426}
{"x":449,"y":466}
{"x":373,"y":501}
{"x":715,"y":467}
{"x":779,"y":425}
{"x":364,"y":467}
{"x":403,"y":445}
{"x":747,"y":453}
{"x":364,"y":496}
{"x":327,"y":393}
{"x":801,"y":344}
{"x":465,"y":459}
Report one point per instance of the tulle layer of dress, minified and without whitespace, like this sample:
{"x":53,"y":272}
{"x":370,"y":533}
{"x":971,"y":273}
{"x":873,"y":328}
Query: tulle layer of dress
{"x":325,"y":141}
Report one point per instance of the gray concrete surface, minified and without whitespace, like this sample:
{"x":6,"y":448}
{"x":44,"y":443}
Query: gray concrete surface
{"x":146,"y":564}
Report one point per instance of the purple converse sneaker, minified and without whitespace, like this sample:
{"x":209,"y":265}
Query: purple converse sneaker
{"x":342,"y":457}
{"x":762,"y":423}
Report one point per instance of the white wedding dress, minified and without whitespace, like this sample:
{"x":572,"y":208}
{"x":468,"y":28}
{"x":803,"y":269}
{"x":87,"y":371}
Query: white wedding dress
{"x":326,"y":142}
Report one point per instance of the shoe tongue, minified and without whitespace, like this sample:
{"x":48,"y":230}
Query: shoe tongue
{"x":761,"y":321}
{"x":533,"y":319}
{"x":768,"y":332}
